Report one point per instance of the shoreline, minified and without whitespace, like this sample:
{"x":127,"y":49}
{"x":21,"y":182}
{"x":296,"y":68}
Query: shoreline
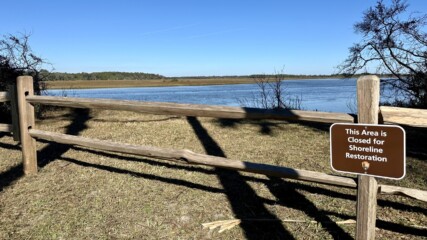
{"x":91,"y":84}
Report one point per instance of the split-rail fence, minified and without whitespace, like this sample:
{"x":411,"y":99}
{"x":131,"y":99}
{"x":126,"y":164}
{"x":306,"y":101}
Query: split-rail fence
{"x":23,"y":127}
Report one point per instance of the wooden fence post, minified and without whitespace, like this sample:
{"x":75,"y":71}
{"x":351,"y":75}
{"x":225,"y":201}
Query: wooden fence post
{"x":14,"y":112}
{"x":25,"y":88}
{"x":368,"y":97}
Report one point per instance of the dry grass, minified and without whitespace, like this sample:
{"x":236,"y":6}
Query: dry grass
{"x":81,"y":84}
{"x":87,"y":194}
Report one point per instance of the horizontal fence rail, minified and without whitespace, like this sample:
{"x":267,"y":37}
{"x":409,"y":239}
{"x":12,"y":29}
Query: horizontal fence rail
{"x":189,"y":157}
{"x":23,"y":101}
{"x":194,"y":110}
{"x":6,"y":127}
{"x":4,"y":96}
{"x":408,"y":192}
{"x":404,"y":116}
{"x":7,"y":97}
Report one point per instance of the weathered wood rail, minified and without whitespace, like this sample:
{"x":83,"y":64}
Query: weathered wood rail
{"x":193,"y":110}
{"x":186,"y":156}
{"x":5,"y":97}
{"x":404,"y":116}
{"x":14,"y":127}
{"x":6,"y":127}
{"x":24,"y":100}
{"x":189,"y":157}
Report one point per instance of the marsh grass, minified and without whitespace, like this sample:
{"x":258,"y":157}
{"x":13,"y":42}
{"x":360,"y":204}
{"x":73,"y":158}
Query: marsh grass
{"x":87,"y":194}
{"x":78,"y":84}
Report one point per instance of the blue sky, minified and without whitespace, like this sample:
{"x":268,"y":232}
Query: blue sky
{"x":190,"y":38}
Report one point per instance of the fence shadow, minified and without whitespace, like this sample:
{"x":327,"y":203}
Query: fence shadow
{"x":54,"y":150}
{"x":49,"y":153}
{"x":14,"y":173}
{"x":265,"y":127}
{"x":243,"y":199}
{"x":287,"y":195}
{"x":145,"y":175}
{"x":297,"y":185}
{"x":416,"y":138}
{"x":389,"y":226}
{"x":10,"y":176}
{"x":155,"y":163}
{"x":165,"y":119}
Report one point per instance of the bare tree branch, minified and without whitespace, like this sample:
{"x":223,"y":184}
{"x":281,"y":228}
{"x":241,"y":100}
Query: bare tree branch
{"x":395,"y":44}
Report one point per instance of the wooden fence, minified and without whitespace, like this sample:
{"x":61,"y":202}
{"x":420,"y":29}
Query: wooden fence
{"x":10,"y":96}
{"x":5,"y":97}
{"x":369,"y":112}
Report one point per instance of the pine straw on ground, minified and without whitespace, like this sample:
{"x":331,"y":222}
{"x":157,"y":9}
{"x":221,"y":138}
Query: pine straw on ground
{"x":87,"y":194}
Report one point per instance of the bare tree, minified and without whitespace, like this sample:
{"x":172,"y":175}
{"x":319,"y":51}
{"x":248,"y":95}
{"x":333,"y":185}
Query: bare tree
{"x":272,"y":94}
{"x":17,"y":59}
{"x":394,"y":43}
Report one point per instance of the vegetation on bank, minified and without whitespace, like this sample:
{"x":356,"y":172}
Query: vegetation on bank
{"x":60,"y":76}
{"x":83,"y":84}
{"x":161,"y":81}
{"x":63,"y":76}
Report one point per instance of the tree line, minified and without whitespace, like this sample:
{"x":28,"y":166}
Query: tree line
{"x":60,"y":76}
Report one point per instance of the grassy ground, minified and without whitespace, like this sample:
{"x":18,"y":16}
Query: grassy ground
{"x":86,"y":194}
{"x":81,"y":84}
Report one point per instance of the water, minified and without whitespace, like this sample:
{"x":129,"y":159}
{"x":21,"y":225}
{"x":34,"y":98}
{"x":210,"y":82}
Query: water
{"x":328,"y":95}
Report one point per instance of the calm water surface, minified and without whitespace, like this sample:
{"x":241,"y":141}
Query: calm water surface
{"x":330,"y":95}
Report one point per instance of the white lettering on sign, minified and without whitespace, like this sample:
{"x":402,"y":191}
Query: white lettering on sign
{"x":366,"y":157}
{"x":373,"y":150}
{"x":371,"y":138}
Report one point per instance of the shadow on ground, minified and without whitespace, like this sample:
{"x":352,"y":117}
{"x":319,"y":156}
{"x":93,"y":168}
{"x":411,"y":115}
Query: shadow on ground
{"x":243,"y":199}
{"x":246,"y":204}
{"x":56,"y":150}
{"x":416,"y":137}
{"x":50,"y":152}
{"x":13,"y":173}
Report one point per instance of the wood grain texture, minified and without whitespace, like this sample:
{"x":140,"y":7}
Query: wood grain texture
{"x":5,"y":127}
{"x":367,"y":189}
{"x":194,"y":110}
{"x":26,"y":122}
{"x":189,"y":157}
{"x":408,"y":192}
{"x":368,"y":99}
{"x":404,"y":116}
{"x":186,"y":156}
{"x":4,"y":96}
{"x":14,"y":113}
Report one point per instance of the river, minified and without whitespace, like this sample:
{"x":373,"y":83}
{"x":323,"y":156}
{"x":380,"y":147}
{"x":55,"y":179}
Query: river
{"x":328,"y":95}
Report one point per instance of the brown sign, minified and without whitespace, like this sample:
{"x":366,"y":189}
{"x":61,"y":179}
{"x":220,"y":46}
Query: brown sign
{"x":375,"y":150}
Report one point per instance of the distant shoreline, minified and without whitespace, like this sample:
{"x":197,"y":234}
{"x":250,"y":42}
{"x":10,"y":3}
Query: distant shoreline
{"x":167,"y":82}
